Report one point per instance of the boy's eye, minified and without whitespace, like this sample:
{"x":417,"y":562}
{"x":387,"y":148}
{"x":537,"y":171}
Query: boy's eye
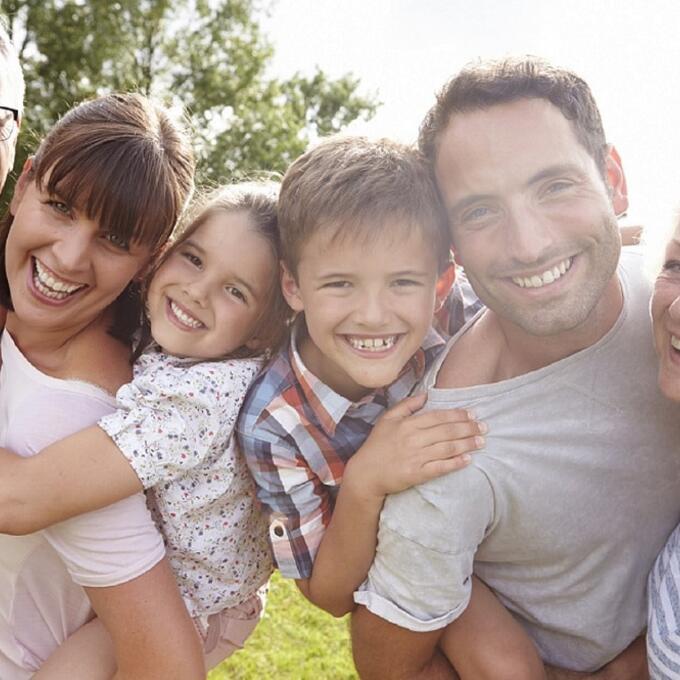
{"x":337,"y":284}
{"x":235,"y":292}
{"x":194,"y":259}
{"x":406,"y":282}
{"x":117,"y":241}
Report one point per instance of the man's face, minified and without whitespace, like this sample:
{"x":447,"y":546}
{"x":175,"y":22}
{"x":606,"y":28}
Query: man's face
{"x":9,"y":96}
{"x":531,"y":217}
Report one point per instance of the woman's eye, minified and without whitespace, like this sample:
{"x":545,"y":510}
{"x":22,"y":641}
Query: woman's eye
{"x":194,"y":259}
{"x":672,"y":266}
{"x":60,"y":207}
{"x":235,"y":292}
{"x":117,"y":241}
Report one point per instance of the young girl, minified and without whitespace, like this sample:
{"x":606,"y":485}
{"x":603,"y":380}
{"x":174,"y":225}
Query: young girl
{"x":213,"y":307}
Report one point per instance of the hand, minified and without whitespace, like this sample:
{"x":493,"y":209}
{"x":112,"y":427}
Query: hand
{"x":407,"y":448}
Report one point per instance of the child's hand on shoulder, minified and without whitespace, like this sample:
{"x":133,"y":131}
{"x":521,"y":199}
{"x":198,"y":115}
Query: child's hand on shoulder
{"x":408,"y":447}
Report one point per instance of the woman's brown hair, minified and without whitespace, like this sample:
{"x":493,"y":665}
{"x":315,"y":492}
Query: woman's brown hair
{"x":122,"y":161}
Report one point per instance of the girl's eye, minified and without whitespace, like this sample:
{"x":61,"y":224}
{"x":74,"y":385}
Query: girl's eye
{"x":117,"y":241}
{"x":194,"y":259}
{"x":235,"y":292}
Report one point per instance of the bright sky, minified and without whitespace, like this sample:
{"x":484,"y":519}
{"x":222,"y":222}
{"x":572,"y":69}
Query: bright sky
{"x":404,"y":50}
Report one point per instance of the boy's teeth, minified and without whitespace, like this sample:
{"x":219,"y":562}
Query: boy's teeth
{"x":184,"y":317}
{"x":675,"y":342}
{"x":372,"y":344}
{"x":547,"y":277}
{"x":51,"y":287}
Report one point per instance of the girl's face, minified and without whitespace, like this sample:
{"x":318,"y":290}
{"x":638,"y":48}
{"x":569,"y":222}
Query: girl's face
{"x":63,"y":271}
{"x":666,"y":319}
{"x":206,"y":298}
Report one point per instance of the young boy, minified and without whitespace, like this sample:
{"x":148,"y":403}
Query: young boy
{"x":365,"y":265}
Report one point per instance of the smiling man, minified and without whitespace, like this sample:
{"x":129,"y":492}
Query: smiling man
{"x":564,"y":511}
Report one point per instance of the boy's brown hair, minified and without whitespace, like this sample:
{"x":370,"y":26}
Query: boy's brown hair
{"x":353,"y":187}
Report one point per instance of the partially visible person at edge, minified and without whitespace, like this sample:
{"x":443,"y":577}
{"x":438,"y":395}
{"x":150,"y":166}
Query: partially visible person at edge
{"x":11,"y":103}
{"x":663,"y":629}
{"x":89,"y":212}
{"x":565,"y":510}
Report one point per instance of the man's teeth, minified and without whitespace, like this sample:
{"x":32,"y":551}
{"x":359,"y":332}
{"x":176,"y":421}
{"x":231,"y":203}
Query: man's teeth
{"x":51,"y":287}
{"x":184,"y":317}
{"x":372,"y":344}
{"x":547,"y":277}
{"x":675,"y":342}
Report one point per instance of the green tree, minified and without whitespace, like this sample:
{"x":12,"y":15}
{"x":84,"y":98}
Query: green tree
{"x":208,"y":56}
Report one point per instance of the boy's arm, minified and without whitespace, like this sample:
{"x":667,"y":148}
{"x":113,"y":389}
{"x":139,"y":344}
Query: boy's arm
{"x":80,"y":473}
{"x":403,"y":449}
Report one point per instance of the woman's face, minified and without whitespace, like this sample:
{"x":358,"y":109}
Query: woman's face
{"x":63,"y":271}
{"x":666,"y":319}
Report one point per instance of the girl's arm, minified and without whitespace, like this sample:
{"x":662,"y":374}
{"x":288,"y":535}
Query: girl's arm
{"x":404,"y":448}
{"x":80,"y":473}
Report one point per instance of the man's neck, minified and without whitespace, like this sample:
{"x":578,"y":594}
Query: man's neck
{"x":495,"y":349}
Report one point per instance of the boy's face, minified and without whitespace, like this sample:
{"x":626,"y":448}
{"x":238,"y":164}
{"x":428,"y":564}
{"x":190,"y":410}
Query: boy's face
{"x":368,"y":304}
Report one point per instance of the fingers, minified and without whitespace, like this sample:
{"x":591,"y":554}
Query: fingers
{"x":452,"y":449}
{"x":448,"y":433}
{"x":406,"y":407}
{"x":433,"y":418}
{"x":437,"y":468}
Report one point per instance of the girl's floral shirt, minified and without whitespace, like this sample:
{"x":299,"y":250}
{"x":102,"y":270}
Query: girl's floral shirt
{"x":175,"y":425}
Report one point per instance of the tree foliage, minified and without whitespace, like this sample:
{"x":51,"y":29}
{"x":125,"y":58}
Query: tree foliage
{"x":208,"y":56}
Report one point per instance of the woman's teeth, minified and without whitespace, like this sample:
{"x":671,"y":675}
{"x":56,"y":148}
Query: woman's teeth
{"x":547,"y":277}
{"x":51,"y":287}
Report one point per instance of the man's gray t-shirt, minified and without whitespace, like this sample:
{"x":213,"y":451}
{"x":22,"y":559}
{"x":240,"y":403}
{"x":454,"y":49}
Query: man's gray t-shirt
{"x":562,"y":513}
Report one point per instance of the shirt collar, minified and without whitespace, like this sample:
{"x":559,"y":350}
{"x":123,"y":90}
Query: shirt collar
{"x":330,"y":408}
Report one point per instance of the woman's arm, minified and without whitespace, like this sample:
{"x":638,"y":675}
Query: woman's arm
{"x":80,"y":473}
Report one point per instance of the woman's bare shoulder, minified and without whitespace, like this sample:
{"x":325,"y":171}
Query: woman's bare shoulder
{"x":98,"y":358}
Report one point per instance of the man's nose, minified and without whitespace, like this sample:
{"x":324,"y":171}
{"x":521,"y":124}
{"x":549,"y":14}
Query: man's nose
{"x":528,"y":235}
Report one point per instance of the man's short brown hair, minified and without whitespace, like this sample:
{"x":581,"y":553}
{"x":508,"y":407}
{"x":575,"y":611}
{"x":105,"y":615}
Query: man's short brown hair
{"x":353,"y":187}
{"x":484,"y":84}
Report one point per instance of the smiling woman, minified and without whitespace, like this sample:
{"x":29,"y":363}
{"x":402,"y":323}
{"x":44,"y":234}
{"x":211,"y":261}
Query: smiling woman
{"x":99,"y":198}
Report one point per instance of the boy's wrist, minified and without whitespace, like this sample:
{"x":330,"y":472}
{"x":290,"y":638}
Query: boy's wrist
{"x":356,"y":482}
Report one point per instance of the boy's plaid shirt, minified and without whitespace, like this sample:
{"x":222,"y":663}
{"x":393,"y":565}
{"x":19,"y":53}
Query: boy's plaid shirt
{"x":297,"y":434}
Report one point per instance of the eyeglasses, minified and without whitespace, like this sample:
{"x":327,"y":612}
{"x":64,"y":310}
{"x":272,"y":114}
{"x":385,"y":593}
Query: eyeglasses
{"x":9,"y":121}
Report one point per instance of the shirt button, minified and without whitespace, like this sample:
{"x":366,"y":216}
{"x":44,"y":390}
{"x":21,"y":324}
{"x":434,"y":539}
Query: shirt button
{"x":278,"y":529}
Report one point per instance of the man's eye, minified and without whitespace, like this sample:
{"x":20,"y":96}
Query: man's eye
{"x":476,"y":214}
{"x":117,"y":241}
{"x":558,"y":186}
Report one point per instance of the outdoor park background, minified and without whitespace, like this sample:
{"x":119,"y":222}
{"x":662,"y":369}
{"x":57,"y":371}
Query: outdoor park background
{"x":261,"y":79}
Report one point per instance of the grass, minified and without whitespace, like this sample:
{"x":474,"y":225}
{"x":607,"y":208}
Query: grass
{"x":294,"y":641}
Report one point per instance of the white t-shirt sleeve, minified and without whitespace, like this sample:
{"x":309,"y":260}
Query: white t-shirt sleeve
{"x":427,"y":540}
{"x":101,"y":548}
{"x":168,"y":416}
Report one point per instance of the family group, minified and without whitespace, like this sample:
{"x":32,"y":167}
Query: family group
{"x":478,"y":459}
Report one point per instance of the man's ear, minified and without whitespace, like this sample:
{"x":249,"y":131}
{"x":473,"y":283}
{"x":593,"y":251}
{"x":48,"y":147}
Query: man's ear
{"x":25,"y":178}
{"x":616,"y":181}
{"x":444,"y":284}
{"x":290,"y":290}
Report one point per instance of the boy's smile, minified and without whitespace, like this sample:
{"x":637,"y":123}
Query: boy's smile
{"x":368,"y":305}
